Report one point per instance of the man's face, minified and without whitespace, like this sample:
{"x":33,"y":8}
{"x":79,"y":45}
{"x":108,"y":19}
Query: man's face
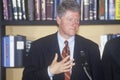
{"x":68,"y":24}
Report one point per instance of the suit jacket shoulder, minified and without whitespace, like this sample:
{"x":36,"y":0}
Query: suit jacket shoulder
{"x":86,"y":41}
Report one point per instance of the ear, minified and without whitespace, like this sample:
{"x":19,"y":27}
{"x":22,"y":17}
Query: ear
{"x":58,"y":19}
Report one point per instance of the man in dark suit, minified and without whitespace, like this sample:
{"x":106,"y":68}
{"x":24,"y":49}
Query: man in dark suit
{"x":45,"y":56}
{"x":111,"y":59}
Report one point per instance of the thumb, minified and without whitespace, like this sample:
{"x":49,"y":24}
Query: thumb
{"x":55,"y":58}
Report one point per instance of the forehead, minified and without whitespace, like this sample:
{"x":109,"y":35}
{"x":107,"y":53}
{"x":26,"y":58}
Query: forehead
{"x":72,"y":13}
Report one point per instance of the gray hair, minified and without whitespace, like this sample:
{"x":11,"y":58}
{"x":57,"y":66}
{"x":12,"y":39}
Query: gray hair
{"x":65,"y":5}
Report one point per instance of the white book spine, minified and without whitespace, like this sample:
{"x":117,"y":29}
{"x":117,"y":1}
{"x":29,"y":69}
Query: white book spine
{"x":12,"y":51}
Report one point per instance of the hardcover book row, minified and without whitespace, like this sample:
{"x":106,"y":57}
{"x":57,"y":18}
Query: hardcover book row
{"x":46,"y":9}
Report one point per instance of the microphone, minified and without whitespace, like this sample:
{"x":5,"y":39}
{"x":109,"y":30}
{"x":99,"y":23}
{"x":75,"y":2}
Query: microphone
{"x":85,"y":64}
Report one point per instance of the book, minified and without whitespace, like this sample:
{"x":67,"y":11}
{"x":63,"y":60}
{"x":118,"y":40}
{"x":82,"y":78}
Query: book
{"x":19,"y":7}
{"x":24,"y":3}
{"x":111,"y":9}
{"x":20,"y":42}
{"x":49,"y":10}
{"x":95,"y":9}
{"x":3,"y":52}
{"x":8,"y":51}
{"x":55,"y":5}
{"x":91,"y":7}
{"x":15,"y":9}
{"x":117,"y":9}
{"x":101,"y":9}
{"x":43,"y":9}
{"x":10,"y":10}
{"x":37,"y":9}
{"x":86,"y":9}
{"x":5,"y":9}
{"x":30,"y":9}
{"x":11,"y":49}
{"x":106,"y":9}
{"x":81,"y":9}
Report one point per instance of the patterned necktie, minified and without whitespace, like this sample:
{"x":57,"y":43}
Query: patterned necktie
{"x":66,"y":52}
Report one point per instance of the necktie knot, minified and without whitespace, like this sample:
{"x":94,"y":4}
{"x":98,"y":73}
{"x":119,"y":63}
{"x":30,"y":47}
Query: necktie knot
{"x":66,"y":43}
{"x":66,"y":50}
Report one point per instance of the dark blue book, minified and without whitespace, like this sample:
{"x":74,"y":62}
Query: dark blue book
{"x":55,"y":5}
{"x":20,"y":42}
{"x":10,"y":10}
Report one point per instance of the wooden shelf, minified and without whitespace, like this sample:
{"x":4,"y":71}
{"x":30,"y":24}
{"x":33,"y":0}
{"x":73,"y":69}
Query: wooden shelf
{"x":50,"y":22}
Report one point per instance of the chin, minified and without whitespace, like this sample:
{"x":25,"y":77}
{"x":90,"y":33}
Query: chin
{"x":72,"y":34}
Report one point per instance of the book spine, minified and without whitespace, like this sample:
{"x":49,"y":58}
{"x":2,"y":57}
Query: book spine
{"x":7,"y":56}
{"x":106,"y":9}
{"x":55,"y":5}
{"x":43,"y":4}
{"x":81,"y":9}
{"x":5,"y":11}
{"x":91,"y":9}
{"x":12,"y":50}
{"x":111,"y":9}
{"x":10,"y":11}
{"x":20,"y":42}
{"x":15,"y":10}
{"x":23,"y":10}
{"x":30,"y":9}
{"x":49,"y":9}
{"x":117,"y":11}
{"x":19,"y":7}
{"x":37,"y":9}
{"x":101,"y":9}
{"x":86,"y":9}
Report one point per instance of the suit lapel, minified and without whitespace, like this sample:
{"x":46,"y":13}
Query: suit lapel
{"x":55,"y":45}
{"x":77,"y":69}
{"x":56,"y":49}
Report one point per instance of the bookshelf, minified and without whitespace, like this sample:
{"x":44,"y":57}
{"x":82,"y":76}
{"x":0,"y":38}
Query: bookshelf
{"x":48,"y":23}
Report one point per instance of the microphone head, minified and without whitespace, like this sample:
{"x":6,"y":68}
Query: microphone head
{"x":83,"y":58}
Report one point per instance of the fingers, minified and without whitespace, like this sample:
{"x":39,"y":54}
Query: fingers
{"x":62,"y":66}
{"x":66,"y":59}
{"x":55,"y":58}
{"x":67,"y":64}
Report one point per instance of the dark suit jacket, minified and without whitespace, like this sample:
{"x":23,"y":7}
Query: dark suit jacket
{"x":111,"y":59}
{"x":43,"y":51}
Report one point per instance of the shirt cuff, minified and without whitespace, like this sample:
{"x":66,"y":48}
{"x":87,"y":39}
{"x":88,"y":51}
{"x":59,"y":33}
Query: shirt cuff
{"x":49,"y":73}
